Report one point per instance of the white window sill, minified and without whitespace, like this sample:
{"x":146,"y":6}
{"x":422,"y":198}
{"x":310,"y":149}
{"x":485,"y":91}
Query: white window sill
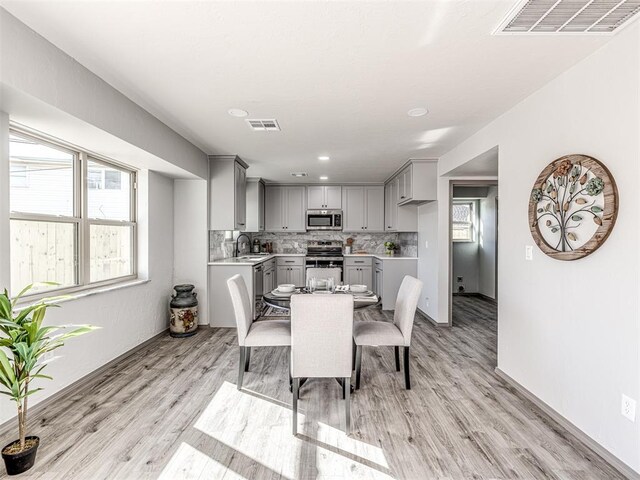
{"x":86,"y":293}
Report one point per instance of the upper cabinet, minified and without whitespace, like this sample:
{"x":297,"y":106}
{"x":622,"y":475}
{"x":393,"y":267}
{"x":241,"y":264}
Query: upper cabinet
{"x":285,"y":208}
{"x":324,"y":197}
{"x":255,"y":205}
{"x":363,"y":208}
{"x":417,"y":182}
{"x":227,"y":192}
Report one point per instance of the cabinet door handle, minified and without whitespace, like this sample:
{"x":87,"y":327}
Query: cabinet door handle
{"x":402,"y":197}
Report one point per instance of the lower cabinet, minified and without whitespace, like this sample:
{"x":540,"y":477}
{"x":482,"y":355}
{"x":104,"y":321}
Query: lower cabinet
{"x":358,"y":271}
{"x":290,"y":270}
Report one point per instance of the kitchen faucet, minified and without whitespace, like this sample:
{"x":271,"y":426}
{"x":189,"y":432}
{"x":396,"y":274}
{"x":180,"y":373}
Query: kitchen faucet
{"x":238,"y":242}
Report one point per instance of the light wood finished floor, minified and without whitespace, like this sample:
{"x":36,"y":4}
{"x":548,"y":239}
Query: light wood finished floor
{"x":172,"y":411}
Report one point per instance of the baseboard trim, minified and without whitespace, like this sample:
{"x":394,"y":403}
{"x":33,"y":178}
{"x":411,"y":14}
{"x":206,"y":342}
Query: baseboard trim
{"x":589,"y":442}
{"x":80,"y":382}
{"x":437,"y":324}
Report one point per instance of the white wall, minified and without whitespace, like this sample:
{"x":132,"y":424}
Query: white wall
{"x":127,"y":316}
{"x":37,"y":76}
{"x":46,"y":89}
{"x":465,"y":264}
{"x":569,"y":331}
{"x":428,"y":257}
{"x":487,"y":244}
{"x":191,"y":250}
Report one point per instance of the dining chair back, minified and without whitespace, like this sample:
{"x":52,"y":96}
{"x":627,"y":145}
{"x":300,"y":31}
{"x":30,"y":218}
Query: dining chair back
{"x":406,"y":305}
{"x":241,"y":306}
{"x":266,"y":333}
{"x":321,"y":342}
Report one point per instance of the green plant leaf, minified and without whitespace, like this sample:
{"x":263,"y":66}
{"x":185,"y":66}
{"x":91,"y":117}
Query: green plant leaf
{"x":576,"y":218}
{"x":596,"y":209}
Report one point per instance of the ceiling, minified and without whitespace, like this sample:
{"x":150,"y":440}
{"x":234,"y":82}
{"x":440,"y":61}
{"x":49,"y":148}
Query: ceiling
{"x":339,"y":76}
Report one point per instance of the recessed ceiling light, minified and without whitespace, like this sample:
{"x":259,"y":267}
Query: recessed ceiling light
{"x":324,"y":177}
{"x":323,"y":157}
{"x":417,"y":112}
{"x":237,"y":112}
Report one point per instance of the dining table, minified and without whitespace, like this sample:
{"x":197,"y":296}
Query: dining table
{"x":282,"y":301}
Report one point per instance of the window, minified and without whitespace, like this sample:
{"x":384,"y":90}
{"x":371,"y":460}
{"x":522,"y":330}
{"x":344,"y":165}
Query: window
{"x":463,"y":215}
{"x":72,"y":216}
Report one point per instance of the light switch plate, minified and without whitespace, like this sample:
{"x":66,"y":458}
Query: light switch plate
{"x":628,"y":408}
{"x":528,"y":252}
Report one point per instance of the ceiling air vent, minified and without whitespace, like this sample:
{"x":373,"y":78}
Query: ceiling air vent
{"x":299,"y":174}
{"x":535,"y":17}
{"x":270,"y":125}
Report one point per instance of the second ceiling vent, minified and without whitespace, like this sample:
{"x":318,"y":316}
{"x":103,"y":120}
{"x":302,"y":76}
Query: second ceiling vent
{"x":532,"y":17}
{"x":260,"y":125}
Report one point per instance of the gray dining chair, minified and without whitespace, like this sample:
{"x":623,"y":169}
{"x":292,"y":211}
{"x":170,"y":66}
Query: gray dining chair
{"x":396,"y":334}
{"x":321,"y":343}
{"x":265,"y":333}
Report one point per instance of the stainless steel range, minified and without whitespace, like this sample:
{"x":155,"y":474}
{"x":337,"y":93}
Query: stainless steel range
{"x":323,"y":254}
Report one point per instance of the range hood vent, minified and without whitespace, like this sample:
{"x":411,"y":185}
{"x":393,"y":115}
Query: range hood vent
{"x":568,"y":17}
{"x":260,"y":125}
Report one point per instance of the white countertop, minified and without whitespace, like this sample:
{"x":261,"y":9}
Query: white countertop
{"x":243,"y":261}
{"x":380,"y":256}
{"x":254,"y":260}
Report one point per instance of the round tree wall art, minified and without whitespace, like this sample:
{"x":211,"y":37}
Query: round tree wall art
{"x":573,"y":207}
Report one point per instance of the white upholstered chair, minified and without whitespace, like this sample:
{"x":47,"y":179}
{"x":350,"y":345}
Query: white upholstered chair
{"x":321,"y":343}
{"x":396,"y":334}
{"x":266,"y":333}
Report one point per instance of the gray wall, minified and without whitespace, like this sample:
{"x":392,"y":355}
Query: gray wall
{"x":487,"y":246}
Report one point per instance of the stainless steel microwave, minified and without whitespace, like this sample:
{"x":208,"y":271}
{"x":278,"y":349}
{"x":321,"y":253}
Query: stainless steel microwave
{"x":324,"y":219}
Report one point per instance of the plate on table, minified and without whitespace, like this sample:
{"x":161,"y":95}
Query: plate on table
{"x":366,"y":293}
{"x":278,"y":293}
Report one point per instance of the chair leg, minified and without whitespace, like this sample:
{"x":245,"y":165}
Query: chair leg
{"x":247,"y":358}
{"x":353,"y":355}
{"x":347,"y":406}
{"x":241,"y":365}
{"x":397,"y":352}
{"x":358,"y":365}
{"x":407,"y":377}
{"x":296,"y":386}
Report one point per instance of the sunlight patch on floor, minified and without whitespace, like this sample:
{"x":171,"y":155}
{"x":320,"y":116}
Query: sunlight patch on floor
{"x":189,"y":463}
{"x":261,"y":430}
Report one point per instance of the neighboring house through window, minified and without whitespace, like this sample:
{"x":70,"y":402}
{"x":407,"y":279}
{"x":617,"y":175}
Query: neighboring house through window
{"x":72,"y":228}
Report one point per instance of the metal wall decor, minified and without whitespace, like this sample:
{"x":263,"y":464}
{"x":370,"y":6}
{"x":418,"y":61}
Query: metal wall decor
{"x":573,"y":207}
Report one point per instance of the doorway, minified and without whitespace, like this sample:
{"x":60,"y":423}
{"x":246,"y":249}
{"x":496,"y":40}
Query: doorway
{"x":474,"y":255}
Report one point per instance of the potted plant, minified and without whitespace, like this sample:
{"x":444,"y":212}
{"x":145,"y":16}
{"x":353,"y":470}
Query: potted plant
{"x":390,"y":248}
{"x":23,"y":344}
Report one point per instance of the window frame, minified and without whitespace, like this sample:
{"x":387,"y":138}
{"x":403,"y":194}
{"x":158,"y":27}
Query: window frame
{"x":80,"y":217}
{"x":471,"y":225}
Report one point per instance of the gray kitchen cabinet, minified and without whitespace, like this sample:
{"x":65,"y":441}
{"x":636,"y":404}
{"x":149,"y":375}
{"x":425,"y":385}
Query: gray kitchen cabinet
{"x":227,"y":192}
{"x":324,"y":197}
{"x":269,"y":282}
{"x":398,"y":218}
{"x":417,"y":182}
{"x":363,"y":208}
{"x":390,"y":207}
{"x":290,"y":270}
{"x":358,"y":276}
{"x":293,"y":275}
{"x":378,"y":286}
{"x":285,"y":208}
{"x":255,"y":205}
{"x":358,"y":271}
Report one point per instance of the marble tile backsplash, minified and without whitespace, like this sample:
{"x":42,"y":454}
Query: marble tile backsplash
{"x":222,"y":245}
